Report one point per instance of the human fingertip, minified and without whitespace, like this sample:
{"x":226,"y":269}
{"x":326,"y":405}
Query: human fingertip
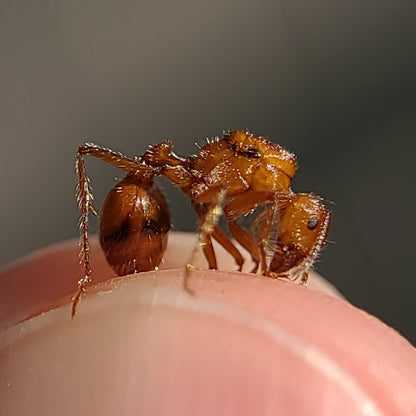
{"x":243,"y":344}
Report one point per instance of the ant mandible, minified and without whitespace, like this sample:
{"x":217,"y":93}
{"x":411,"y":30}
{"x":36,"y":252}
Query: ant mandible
{"x":238,"y":172}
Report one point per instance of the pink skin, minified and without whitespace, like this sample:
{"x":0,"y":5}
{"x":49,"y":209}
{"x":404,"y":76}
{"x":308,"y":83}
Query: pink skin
{"x":244,"y":344}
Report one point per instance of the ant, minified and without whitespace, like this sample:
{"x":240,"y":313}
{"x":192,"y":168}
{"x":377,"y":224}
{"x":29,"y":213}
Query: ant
{"x":232,"y":175}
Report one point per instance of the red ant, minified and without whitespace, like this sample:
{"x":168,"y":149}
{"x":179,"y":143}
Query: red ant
{"x":239,"y":171}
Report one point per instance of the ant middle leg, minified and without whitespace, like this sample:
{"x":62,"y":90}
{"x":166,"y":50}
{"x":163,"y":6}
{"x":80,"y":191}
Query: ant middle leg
{"x":207,"y":224}
{"x":223,"y":240}
{"x":208,"y":215}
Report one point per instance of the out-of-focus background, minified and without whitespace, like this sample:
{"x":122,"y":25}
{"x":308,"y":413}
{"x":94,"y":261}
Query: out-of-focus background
{"x":332,"y":81}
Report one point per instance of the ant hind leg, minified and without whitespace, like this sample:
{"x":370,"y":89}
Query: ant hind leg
{"x":84,"y":197}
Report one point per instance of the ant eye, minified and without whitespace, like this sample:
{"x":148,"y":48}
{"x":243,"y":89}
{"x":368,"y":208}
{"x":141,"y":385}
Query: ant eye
{"x":251,"y":152}
{"x":313,"y":222}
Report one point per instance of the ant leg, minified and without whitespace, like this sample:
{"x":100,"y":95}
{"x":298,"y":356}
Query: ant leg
{"x":207,"y":217}
{"x":206,"y":243}
{"x":84,"y":197}
{"x":242,"y":204}
{"x":246,"y":241}
{"x":229,"y":246}
{"x":264,"y":236}
{"x":107,"y":155}
{"x":304,"y":277}
{"x":220,"y":237}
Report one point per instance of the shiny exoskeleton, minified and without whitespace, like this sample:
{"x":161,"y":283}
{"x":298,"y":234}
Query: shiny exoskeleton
{"x":239,"y":173}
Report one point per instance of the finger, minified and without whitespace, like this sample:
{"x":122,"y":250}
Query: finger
{"x":243,"y":345}
{"x":49,"y":276}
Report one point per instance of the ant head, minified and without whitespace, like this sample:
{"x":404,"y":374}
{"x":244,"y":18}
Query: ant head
{"x":301,"y":232}
{"x":304,"y":221}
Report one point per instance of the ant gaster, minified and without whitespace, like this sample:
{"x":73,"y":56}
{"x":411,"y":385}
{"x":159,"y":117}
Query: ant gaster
{"x":238,"y":172}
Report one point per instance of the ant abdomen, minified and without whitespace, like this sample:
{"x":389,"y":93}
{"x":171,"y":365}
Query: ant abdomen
{"x":134,"y":225}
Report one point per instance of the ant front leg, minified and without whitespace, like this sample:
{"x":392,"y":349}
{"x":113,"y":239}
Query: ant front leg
{"x":241,"y":204}
{"x":206,"y":226}
{"x":84,"y":197}
{"x":264,"y":236}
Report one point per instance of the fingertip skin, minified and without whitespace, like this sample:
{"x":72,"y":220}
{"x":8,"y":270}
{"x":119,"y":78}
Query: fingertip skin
{"x":49,"y":276}
{"x":243,"y":344}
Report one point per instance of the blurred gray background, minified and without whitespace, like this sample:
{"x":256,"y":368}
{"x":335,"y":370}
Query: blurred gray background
{"x":332,"y":81}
